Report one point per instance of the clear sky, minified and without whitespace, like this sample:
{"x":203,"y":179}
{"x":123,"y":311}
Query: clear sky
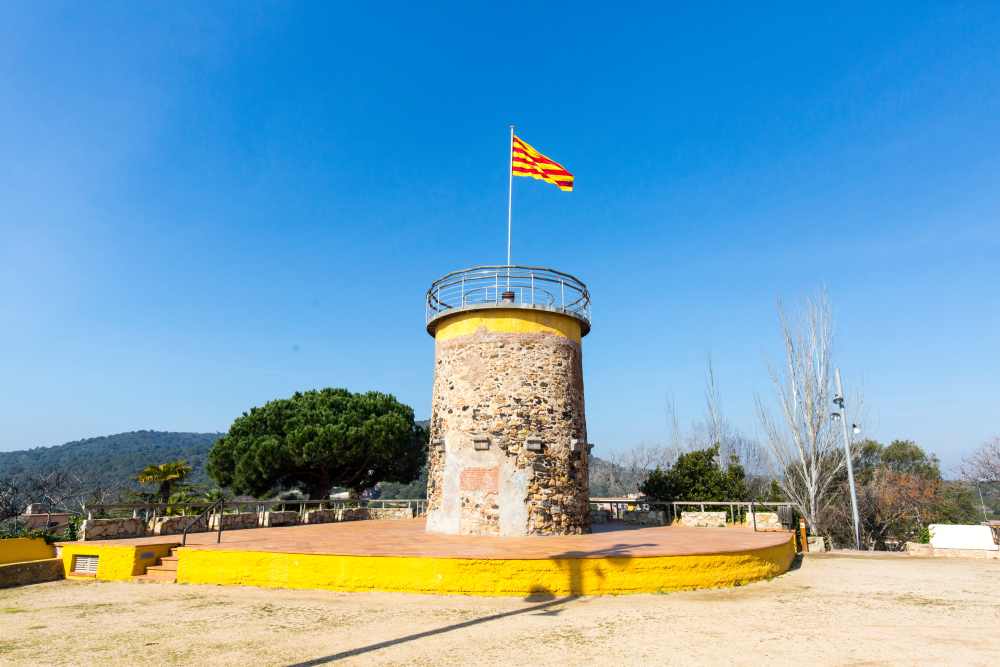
{"x":205,"y":206}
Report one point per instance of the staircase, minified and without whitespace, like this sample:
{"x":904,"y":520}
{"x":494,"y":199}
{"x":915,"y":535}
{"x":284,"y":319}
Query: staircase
{"x":164,"y":572}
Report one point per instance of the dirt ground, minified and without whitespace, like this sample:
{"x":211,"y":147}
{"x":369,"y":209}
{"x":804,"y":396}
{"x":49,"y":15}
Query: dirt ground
{"x":828,"y":610}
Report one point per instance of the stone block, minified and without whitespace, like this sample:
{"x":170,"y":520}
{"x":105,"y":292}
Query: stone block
{"x":241,"y":521}
{"x":704,"y":519}
{"x":273,"y":519}
{"x":175,"y":525}
{"x":320,"y":516}
{"x":600,"y":516}
{"x":392,"y":513}
{"x":111,"y":529}
{"x":815,"y":544}
{"x":916,"y":549}
{"x":644,"y":518}
{"x":764,"y":520}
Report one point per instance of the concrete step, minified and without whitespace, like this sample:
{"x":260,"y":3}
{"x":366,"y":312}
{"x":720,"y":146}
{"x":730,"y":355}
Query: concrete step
{"x":162,"y":568}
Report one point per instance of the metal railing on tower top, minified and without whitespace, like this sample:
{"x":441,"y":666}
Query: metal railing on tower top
{"x":502,"y":285}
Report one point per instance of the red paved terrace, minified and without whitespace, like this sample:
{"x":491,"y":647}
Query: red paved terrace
{"x":410,"y":539}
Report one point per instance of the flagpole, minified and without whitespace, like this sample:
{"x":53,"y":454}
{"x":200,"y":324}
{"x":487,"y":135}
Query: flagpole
{"x":510,"y":196}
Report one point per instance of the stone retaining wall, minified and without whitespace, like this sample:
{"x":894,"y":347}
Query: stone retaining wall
{"x":175,"y":525}
{"x":111,"y":529}
{"x":704,"y":519}
{"x":240,"y":521}
{"x":273,"y":519}
{"x":643,"y":518}
{"x":914,"y":549}
{"x":31,"y":572}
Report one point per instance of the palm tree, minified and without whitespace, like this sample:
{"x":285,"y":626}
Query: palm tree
{"x":165,"y":475}
{"x":182,"y":497}
{"x":212,"y":495}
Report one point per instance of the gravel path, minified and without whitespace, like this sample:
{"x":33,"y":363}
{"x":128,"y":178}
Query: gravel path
{"x":830,"y":610}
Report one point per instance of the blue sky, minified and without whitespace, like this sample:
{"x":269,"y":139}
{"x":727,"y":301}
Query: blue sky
{"x":190,"y":190}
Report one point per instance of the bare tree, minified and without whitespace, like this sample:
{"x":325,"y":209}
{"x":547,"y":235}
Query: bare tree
{"x":803,"y":450}
{"x":671,"y":414}
{"x":892,"y":508}
{"x":622,"y":472}
{"x":983,"y":466}
{"x":16,"y":491}
{"x":713,"y":401}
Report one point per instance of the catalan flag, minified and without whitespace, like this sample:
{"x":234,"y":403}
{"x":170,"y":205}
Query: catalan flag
{"x":526,"y":161}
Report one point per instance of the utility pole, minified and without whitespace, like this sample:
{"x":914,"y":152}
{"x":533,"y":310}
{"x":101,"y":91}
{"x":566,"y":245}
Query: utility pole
{"x":842,"y":418}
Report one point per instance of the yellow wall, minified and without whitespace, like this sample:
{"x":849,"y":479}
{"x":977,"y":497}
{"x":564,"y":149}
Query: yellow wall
{"x":574,"y":576}
{"x":115,"y":563}
{"x":508,"y":320}
{"x":22,"y":549}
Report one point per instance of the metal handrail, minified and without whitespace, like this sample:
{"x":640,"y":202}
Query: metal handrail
{"x":222,"y":503}
{"x":500,"y":285}
{"x":734,"y":505}
{"x":777,"y":507}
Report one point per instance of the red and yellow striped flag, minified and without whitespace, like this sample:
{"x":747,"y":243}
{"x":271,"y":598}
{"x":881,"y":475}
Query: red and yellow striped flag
{"x":526,"y":161}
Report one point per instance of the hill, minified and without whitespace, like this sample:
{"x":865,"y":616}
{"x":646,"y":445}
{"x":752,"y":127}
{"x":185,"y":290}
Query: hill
{"x":117,"y":458}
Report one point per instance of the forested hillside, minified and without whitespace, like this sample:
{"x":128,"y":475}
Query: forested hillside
{"x":117,"y":458}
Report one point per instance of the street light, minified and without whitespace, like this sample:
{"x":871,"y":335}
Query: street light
{"x":979,"y":483}
{"x":838,"y":399}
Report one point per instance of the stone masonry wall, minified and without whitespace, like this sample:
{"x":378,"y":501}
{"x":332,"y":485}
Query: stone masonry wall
{"x":175,"y":525}
{"x":644,"y":517}
{"x":703,"y":519}
{"x":239,"y":521}
{"x":111,"y":529}
{"x":765,"y":520}
{"x":272,"y":519}
{"x":508,"y":386}
{"x":356,"y":514}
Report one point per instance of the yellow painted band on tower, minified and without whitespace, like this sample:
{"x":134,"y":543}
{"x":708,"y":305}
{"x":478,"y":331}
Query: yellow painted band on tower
{"x":464,"y":576}
{"x":508,"y":320}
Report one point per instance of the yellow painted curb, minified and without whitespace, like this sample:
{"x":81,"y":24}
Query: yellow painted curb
{"x":23,"y":549}
{"x":561,"y":576}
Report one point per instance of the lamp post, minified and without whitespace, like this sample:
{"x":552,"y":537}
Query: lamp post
{"x":979,"y":483}
{"x":842,"y":418}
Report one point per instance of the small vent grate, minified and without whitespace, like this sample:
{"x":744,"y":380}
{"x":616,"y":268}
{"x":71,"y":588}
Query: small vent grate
{"x":85,"y":564}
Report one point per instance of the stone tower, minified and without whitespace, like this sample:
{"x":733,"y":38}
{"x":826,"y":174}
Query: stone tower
{"x":508,"y":449}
